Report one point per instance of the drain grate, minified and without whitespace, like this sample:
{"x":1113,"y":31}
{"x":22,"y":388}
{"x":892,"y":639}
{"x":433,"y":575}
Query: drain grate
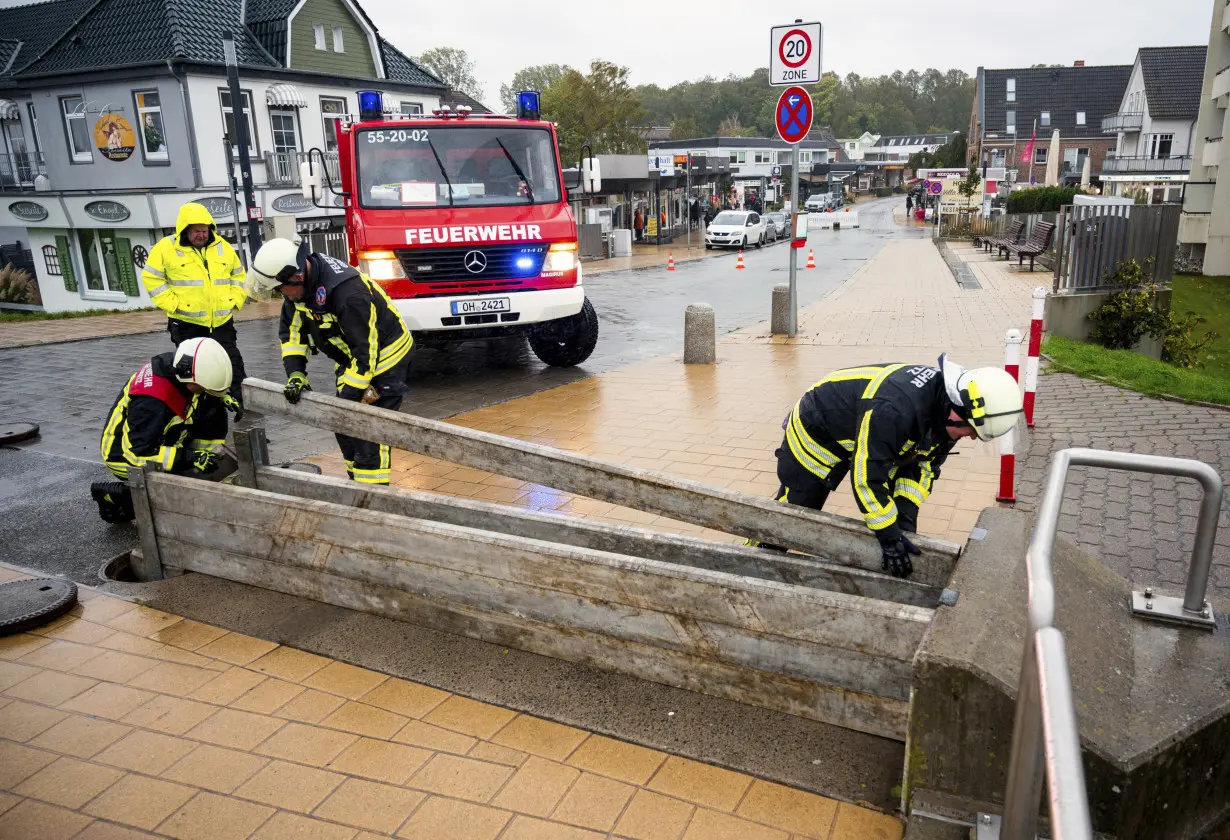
{"x":25,"y":604}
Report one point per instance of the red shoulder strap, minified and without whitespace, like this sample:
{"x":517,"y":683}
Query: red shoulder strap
{"x":145,"y":383}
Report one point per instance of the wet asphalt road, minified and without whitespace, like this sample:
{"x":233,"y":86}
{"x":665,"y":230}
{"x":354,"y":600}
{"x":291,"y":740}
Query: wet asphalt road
{"x":48,"y":522}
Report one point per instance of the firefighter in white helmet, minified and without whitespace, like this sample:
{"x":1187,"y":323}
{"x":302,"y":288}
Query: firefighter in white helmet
{"x":170,"y":413}
{"x":890,"y":426}
{"x":333,"y":308}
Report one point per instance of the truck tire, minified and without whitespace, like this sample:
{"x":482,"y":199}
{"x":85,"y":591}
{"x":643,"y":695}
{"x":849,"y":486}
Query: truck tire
{"x":568,"y":341}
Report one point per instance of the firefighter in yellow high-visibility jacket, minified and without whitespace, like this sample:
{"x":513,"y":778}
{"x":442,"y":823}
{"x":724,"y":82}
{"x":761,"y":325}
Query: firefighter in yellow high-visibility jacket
{"x":196,"y":278}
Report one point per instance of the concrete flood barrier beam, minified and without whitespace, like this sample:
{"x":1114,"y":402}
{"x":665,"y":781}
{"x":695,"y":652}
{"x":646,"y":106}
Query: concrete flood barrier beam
{"x":842,"y":659}
{"x":834,"y":538}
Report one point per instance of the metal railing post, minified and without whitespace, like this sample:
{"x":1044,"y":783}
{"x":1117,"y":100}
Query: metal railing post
{"x":1065,"y":774}
{"x":1026,"y":759}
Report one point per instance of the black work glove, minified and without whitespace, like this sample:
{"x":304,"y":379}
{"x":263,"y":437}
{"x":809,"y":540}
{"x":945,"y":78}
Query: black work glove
{"x":204,"y":461}
{"x":349,"y":392}
{"x":234,"y":406}
{"x":295,"y":386}
{"x":896,"y":557}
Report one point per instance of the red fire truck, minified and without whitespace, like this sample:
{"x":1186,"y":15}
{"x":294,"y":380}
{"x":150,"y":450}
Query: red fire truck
{"x":464,"y":220}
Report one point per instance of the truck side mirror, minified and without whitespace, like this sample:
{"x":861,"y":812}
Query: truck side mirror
{"x":591,"y":175}
{"x":309,"y":179}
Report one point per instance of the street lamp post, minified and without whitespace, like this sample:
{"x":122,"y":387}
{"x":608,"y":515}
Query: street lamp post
{"x":241,"y":135}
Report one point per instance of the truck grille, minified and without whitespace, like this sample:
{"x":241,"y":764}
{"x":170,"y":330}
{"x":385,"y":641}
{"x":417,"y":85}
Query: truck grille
{"x":456,"y":269}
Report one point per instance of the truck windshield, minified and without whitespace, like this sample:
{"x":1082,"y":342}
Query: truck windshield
{"x":461,"y":166}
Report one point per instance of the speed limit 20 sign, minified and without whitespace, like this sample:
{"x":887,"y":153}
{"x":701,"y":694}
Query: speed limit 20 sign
{"x":794,"y":54}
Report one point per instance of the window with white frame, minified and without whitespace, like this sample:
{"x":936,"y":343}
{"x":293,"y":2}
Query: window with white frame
{"x":804,"y":156}
{"x":78,"y":133}
{"x":152,"y":131}
{"x":38,"y":137}
{"x":412,"y":107}
{"x":284,"y":130}
{"x":318,"y":32}
{"x":332,"y":110}
{"x":228,"y":120}
{"x":1160,"y":145}
{"x":738,"y":157}
{"x":1010,"y":122}
{"x":1080,"y":117}
{"x":1044,"y":119}
{"x":338,"y":46}
{"x":1011,"y":95}
{"x":1040,"y":154}
{"x":762,"y":157}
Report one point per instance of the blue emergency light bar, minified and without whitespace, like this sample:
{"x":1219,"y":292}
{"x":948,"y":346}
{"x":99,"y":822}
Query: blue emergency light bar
{"x":371,"y":105}
{"x":527,"y":105}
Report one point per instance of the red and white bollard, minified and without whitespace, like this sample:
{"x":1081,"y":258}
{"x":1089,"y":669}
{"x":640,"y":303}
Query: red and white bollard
{"x":1035,"y":352}
{"x":1007,"y":443}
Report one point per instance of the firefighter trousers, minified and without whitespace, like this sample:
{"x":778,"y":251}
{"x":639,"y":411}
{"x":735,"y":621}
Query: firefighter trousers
{"x":368,"y":462}
{"x":801,"y":487}
{"x":225,"y":335}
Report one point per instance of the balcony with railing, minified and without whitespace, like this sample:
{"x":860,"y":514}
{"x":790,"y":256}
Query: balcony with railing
{"x":1198,"y":197}
{"x":19,"y":169}
{"x":1146,"y":165}
{"x":1211,"y":156}
{"x":1128,"y":123}
{"x":282,"y":168}
{"x":1225,"y":19}
{"x":1221,"y":83}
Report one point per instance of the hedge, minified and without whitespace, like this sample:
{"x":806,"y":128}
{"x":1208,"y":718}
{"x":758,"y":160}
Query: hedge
{"x":1040,"y":199}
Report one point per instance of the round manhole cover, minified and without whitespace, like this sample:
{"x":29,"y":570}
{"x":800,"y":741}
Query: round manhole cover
{"x":299,"y":466}
{"x":25,"y":604}
{"x":15,"y":432}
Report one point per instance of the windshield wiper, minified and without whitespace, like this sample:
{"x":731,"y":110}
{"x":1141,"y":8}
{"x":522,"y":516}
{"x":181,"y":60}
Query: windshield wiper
{"x":440,"y":163}
{"x":529,"y":191}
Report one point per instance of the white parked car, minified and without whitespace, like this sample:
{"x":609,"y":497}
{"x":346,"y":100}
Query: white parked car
{"x":736,"y":229}
{"x":819,"y":202}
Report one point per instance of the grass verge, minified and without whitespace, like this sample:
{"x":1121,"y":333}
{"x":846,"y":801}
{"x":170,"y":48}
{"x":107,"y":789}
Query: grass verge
{"x":1210,"y":297}
{"x":13,"y":316}
{"x":1134,"y":372}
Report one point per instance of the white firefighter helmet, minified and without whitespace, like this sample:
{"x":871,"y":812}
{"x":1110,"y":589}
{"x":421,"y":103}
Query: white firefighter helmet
{"x":276,"y":262}
{"x":988,"y":398}
{"x":202,"y":361}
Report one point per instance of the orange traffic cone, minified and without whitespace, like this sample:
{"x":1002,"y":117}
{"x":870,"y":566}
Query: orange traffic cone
{"x":811,"y":259}
{"x":739,"y":262}
{"x":670,"y":261}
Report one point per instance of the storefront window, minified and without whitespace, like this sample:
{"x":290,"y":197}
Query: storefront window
{"x":107,"y":262}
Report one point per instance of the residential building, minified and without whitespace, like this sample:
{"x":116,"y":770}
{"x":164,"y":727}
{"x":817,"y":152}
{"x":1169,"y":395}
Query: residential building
{"x":114,"y":114}
{"x":1155,"y":125}
{"x":1204,"y":228}
{"x":855,"y":148}
{"x":1010,"y":105}
{"x":752,"y":159}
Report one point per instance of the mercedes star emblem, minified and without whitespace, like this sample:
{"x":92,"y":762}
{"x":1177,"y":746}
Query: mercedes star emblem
{"x":476,"y":262}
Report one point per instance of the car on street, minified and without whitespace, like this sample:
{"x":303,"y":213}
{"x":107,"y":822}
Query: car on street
{"x":777,"y":225}
{"x":736,"y":229}
{"x":818,"y":203}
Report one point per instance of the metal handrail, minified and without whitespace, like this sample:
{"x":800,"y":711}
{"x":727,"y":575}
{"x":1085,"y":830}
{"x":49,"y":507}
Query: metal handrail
{"x":1044,"y":732}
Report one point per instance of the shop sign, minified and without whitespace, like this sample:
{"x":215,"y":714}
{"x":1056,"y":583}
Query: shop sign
{"x":114,"y":137}
{"x":219,"y":208}
{"x":107,"y":211}
{"x":28,"y":211}
{"x":292,"y":203}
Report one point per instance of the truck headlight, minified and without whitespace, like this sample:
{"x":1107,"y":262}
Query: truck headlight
{"x":381,"y":265}
{"x":561,"y":256}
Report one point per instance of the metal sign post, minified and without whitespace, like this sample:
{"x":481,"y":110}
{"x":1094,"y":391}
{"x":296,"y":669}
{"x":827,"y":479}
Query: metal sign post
{"x":793,"y":118}
{"x":792,"y":324}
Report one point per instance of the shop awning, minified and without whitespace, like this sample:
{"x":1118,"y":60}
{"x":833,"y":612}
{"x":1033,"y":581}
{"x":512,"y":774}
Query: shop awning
{"x":285,"y":95}
{"x":9,"y":112}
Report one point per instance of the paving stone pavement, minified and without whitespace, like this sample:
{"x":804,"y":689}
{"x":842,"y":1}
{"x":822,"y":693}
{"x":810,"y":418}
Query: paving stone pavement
{"x":1141,"y":526}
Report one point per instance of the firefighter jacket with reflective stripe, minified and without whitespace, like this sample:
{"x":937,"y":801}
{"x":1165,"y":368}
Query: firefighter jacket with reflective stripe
{"x":886,"y":424}
{"x":348,"y":318}
{"x":156,"y":419}
{"x":202,"y":286}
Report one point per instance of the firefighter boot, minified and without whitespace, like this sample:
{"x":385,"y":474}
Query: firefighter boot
{"x":114,"y":501}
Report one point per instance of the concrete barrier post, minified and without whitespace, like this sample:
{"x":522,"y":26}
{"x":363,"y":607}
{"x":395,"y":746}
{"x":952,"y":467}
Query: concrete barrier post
{"x":779,"y":322}
{"x":699,"y":335}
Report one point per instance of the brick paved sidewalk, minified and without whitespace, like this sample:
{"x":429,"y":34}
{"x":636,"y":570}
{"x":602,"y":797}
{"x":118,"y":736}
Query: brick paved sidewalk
{"x":720,"y":424}
{"x":120,"y":722}
{"x":18,"y":334}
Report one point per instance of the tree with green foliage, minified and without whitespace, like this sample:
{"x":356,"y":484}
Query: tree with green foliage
{"x":537,"y":77}
{"x":453,"y":67}
{"x":598,"y":108}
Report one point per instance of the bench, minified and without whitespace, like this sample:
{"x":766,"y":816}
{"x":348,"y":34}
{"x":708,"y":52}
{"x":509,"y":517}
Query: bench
{"x":1037,"y":244}
{"x":1009,"y":237}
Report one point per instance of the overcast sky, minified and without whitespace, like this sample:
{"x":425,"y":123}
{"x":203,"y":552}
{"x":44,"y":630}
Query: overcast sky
{"x":668,"y":43}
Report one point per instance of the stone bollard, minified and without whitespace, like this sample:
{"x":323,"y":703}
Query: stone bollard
{"x":699,"y":335}
{"x":779,"y":321}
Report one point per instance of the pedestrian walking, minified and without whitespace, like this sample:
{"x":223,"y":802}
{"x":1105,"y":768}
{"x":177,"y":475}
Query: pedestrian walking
{"x":892,"y":426}
{"x":638,"y":224}
{"x":333,"y":308}
{"x":169,"y":414}
{"x":909,"y":204}
{"x":196,"y":277}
